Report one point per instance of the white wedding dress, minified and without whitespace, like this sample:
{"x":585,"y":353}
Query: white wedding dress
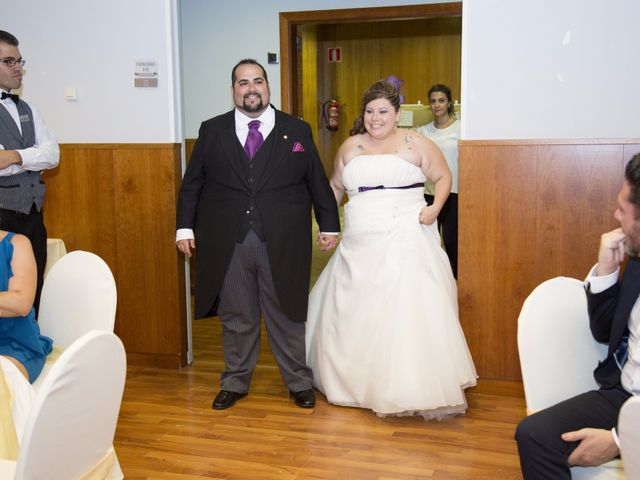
{"x":382,"y":327}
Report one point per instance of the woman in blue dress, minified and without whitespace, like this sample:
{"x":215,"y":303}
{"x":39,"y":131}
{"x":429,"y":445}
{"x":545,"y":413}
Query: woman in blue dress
{"x":22,"y":349}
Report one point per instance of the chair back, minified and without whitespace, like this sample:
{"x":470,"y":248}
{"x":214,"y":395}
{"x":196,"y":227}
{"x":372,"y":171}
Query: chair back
{"x":557,"y":351}
{"x":78,"y":295}
{"x":73,"y":420}
{"x":629,"y":434}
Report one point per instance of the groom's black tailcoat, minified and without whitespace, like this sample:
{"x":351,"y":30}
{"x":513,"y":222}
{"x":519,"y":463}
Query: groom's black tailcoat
{"x":282,"y":182}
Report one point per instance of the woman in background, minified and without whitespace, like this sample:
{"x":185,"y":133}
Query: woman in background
{"x":444,"y":131}
{"x":22,"y":349}
{"x":382,"y":327}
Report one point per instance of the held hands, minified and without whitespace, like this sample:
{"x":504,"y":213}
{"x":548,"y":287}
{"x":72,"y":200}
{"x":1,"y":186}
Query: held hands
{"x":185,"y":246}
{"x":596,"y":447}
{"x":611,"y":253}
{"x":327,"y":242}
{"x":428,"y":215}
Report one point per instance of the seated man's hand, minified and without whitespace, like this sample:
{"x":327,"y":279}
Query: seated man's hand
{"x":611,"y":252}
{"x":596,"y":447}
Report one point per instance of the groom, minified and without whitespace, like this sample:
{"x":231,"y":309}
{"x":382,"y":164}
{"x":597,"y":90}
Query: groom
{"x":250,"y":208}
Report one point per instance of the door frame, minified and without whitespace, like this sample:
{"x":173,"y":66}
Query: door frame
{"x":289,"y":22}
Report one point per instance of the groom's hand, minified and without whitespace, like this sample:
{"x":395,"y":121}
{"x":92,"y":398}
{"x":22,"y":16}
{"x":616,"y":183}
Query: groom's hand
{"x":185,"y":246}
{"x":327,"y":242}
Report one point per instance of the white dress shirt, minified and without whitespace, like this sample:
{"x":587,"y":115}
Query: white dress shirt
{"x":267,"y":122}
{"x":44,"y":154}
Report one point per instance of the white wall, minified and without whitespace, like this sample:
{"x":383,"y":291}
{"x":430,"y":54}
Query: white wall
{"x":217,"y":34}
{"x":92,"y":45}
{"x":530,"y":68}
{"x":546,"y":69}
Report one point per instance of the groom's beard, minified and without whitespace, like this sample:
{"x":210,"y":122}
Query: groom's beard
{"x":257,"y":107}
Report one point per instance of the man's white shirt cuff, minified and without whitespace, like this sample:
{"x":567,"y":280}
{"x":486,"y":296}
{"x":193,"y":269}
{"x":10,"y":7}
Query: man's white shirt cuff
{"x":615,"y":437}
{"x":184,"y":234}
{"x":600,"y":284}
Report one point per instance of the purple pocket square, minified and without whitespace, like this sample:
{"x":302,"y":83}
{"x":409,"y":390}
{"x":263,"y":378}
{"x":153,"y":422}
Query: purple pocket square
{"x":297,"y":147}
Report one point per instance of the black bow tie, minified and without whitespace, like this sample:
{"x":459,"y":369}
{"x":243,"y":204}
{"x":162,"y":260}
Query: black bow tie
{"x":12,"y":96}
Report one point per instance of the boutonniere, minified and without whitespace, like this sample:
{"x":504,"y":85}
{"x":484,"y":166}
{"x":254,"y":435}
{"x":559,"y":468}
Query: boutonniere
{"x":297,"y":147}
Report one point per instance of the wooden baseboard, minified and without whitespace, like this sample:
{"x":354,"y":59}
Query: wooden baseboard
{"x":506,"y":388}
{"x":157,"y":360}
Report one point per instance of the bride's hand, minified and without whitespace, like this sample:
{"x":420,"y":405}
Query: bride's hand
{"x":428,"y":215}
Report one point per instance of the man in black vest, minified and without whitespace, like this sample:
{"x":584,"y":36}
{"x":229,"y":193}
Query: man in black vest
{"x":26,"y":148}
{"x":253,"y":177}
{"x":581,"y":430}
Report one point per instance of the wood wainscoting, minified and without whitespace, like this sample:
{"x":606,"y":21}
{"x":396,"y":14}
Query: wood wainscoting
{"x":529,"y":211}
{"x":118,"y":201}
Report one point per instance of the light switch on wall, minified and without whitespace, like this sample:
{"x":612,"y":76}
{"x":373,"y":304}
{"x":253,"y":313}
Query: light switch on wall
{"x":70,"y":93}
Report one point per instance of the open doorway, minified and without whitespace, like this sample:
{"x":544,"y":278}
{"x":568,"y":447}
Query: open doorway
{"x":419,"y":44}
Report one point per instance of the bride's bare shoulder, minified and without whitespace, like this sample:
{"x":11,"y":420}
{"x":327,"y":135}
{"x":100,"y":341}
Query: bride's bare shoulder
{"x":353,"y":141}
{"x":352,"y":147}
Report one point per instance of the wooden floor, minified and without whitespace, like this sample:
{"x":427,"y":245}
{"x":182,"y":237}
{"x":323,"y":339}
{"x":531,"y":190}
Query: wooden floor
{"x":167,"y":430}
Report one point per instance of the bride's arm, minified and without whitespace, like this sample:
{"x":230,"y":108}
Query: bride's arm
{"x":435,"y":168}
{"x":338,"y":166}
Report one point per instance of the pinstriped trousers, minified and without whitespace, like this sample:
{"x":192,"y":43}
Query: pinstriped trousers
{"x":247,"y":292}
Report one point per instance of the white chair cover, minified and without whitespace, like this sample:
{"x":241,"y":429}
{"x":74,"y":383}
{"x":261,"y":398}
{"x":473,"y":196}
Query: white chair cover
{"x":78,"y":295}
{"x":629,"y":435}
{"x":558,"y":354}
{"x":74,"y":416}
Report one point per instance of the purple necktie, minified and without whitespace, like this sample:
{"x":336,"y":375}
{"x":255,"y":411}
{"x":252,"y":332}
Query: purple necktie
{"x":254,"y":138}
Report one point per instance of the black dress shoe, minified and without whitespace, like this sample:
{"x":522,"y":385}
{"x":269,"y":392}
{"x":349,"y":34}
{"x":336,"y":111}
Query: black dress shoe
{"x":226,"y":399}
{"x":305,"y":398}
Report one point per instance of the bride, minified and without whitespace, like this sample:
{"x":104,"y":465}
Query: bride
{"x":382,"y":327}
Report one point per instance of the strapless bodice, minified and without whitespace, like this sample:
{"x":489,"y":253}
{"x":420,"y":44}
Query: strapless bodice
{"x":383,"y":169}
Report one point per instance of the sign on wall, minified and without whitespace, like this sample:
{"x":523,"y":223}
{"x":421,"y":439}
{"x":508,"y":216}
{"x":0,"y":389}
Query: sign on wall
{"x":146,"y":73}
{"x":334,"y":54}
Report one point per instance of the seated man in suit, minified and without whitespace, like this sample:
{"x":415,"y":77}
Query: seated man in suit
{"x":581,"y":430}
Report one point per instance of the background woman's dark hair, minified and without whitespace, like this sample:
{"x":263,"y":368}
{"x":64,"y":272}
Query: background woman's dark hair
{"x":439,"y":87}
{"x":632,"y":176}
{"x":379,"y":89}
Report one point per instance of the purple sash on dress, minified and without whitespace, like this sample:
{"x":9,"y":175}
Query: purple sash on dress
{"x":382,"y":187}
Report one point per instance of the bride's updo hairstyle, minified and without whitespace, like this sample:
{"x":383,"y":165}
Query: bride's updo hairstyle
{"x":380,"y":89}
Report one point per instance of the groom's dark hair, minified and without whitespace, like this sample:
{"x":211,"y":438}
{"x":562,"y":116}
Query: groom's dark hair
{"x":632,"y":177}
{"x":247,"y":61}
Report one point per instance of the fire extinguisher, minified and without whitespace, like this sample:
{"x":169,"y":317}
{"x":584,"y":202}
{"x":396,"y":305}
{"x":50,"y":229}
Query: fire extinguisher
{"x":331,"y":114}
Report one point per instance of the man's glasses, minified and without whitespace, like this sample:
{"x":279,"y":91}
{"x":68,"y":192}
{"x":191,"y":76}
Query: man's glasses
{"x":12,"y":62}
